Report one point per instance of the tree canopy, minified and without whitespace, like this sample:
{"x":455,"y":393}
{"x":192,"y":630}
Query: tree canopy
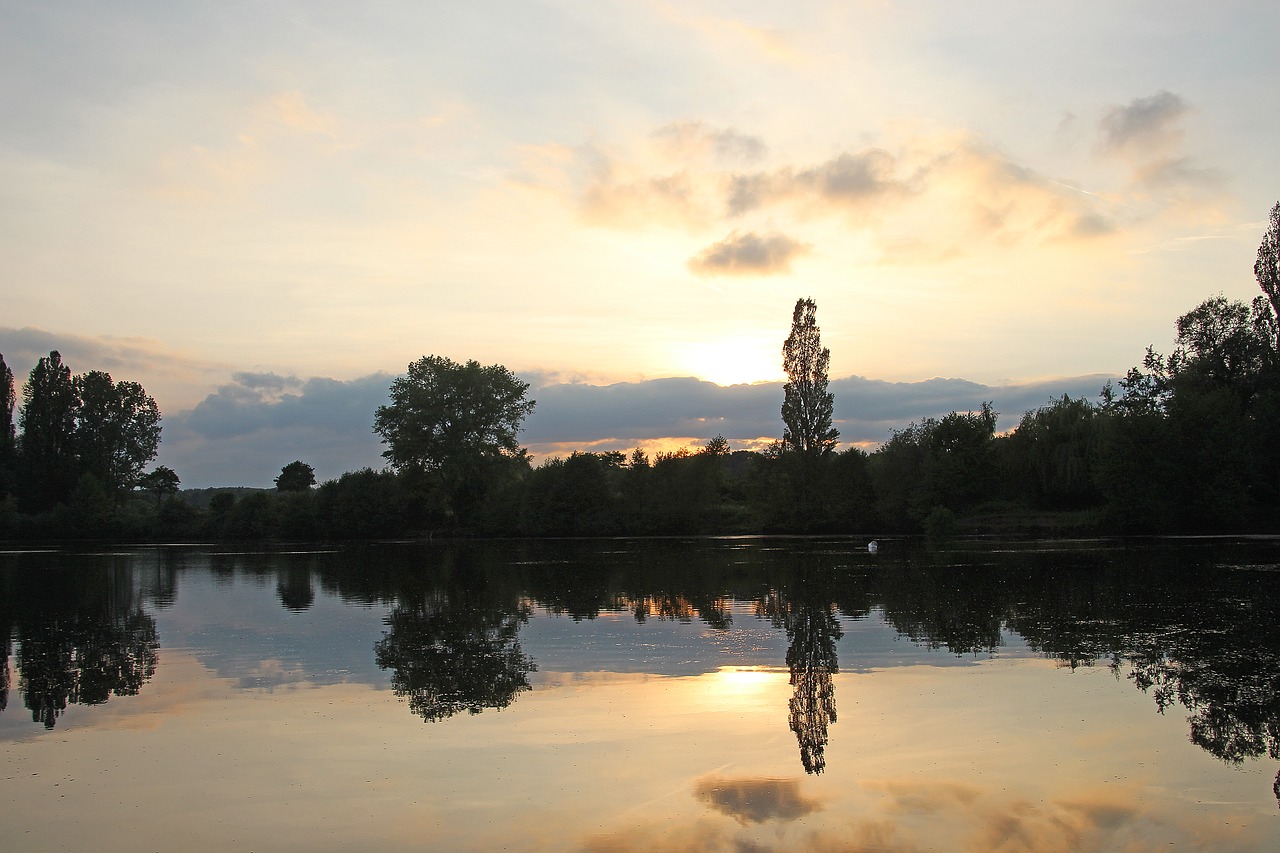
{"x":455,"y":422}
{"x":297,"y":476}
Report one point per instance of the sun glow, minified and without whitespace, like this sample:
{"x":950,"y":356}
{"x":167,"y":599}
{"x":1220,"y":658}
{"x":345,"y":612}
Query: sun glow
{"x":741,"y":681}
{"x":734,"y":361}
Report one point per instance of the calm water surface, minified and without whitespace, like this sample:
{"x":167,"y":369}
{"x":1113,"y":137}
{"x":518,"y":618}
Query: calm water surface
{"x":722,"y":695}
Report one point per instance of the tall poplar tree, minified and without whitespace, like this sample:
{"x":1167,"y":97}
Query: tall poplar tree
{"x":8,"y":401}
{"x":807,"y":404}
{"x":1267,"y":267}
{"x":8,"y":441}
{"x":808,"y":438}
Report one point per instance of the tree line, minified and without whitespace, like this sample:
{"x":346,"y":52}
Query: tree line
{"x":1188,"y":441}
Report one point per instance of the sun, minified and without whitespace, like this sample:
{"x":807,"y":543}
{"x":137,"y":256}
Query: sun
{"x":734,"y":361}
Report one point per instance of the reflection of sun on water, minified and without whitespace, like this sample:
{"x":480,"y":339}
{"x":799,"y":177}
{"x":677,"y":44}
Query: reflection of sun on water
{"x":734,"y":361}
{"x":743,"y":681}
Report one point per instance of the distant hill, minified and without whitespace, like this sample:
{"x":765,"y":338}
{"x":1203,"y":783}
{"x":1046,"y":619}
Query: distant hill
{"x":199,"y":498}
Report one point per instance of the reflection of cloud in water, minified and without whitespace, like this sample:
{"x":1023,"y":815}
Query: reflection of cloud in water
{"x":909,"y":815}
{"x":270,"y":674}
{"x":755,"y":800}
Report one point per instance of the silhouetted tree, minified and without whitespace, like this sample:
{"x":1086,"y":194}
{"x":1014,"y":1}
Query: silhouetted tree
{"x":117,"y":430}
{"x":1050,"y":457}
{"x":48,"y":424}
{"x":947,"y":463}
{"x":807,"y":405}
{"x":297,"y":476}
{"x":808,"y":436}
{"x":160,"y":482}
{"x":457,"y":424}
{"x":8,"y":433}
{"x":1267,"y":267}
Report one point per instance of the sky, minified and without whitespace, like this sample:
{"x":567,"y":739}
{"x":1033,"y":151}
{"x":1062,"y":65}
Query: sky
{"x":264,"y":212}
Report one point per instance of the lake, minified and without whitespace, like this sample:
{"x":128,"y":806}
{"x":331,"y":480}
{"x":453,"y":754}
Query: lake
{"x":740,"y":694}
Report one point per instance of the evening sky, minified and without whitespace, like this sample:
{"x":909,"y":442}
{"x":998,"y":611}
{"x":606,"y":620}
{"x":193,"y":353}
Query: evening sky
{"x":263,"y":212}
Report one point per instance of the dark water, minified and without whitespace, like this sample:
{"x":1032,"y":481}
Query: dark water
{"x":724,"y":694}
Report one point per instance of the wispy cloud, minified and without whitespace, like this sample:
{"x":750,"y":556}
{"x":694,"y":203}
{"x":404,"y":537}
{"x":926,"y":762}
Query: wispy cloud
{"x":168,"y":373}
{"x":967,"y":193}
{"x":1144,"y":126}
{"x":1147,"y":134}
{"x":696,"y":140}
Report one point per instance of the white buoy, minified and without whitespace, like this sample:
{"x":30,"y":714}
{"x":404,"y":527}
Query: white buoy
{"x":873,"y":546}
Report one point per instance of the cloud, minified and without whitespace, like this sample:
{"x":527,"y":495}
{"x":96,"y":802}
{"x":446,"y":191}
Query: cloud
{"x":917,"y":814}
{"x":755,"y":800}
{"x":248,"y":428}
{"x":694,"y":140}
{"x":1147,"y":134}
{"x":623,"y":415}
{"x":1144,"y":125}
{"x":850,"y":180}
{"x":244,"y":432}
{"x":748,"y":254}
{"x":662,"y":200}
{"x":168,"y":374}
{"x":955,"y":187}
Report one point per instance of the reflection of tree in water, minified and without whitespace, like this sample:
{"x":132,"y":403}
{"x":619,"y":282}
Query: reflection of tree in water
{"x":6,"y":642}
{"x":1223,"y":668}
{"x":82,"y":637}
{"x":1187,"y":625}
{"x":453,"y":651}
{"x":293,"y":586}
{"x":805,"y":612}
{"x":84,"y":659}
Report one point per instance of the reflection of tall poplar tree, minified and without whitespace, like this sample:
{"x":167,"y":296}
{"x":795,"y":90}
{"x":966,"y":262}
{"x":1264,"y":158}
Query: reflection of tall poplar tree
{"x":808,"y":616}
{"x":6,"y":643}
{"x":811,"y":657}
{"x":450,"y":653}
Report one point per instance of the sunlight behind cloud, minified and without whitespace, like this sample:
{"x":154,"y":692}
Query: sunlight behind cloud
{"x":733,"y":361}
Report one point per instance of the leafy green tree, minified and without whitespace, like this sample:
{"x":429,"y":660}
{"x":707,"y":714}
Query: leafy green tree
{"x":50,"y":407}
{"x":297,"y":476}
{"x":117,"y":430}
{"x":457,"y":424}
